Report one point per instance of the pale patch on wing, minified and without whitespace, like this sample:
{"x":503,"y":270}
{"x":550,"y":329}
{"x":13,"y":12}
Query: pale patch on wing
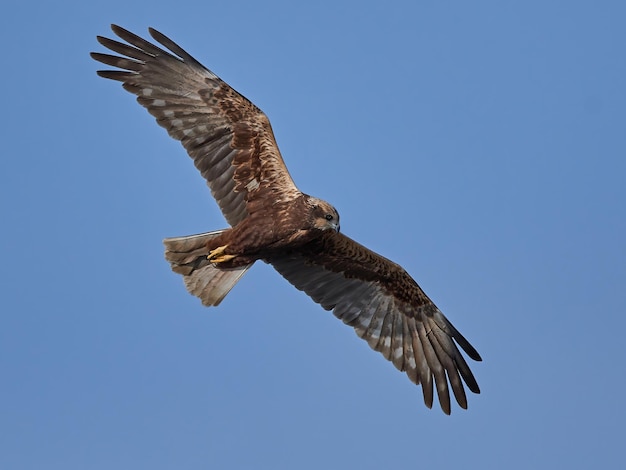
{"x":252,"y":185}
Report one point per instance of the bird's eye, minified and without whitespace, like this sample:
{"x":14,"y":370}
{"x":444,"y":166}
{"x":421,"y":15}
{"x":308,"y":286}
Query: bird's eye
{"x":329,"y":217}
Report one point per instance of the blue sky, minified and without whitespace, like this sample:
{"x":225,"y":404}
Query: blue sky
{"x":481,"y":145}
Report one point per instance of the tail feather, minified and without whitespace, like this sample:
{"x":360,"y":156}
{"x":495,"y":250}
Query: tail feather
{"x":187,"y":256}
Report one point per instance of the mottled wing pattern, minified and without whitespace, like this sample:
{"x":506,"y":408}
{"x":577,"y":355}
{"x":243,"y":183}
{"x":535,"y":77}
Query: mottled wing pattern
{"x":387,"y":309}
{"x":229,"y":139}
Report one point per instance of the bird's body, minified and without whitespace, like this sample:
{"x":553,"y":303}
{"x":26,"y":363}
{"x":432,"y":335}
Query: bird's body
{"x":289,"y":226}
{"x":232,"y":144}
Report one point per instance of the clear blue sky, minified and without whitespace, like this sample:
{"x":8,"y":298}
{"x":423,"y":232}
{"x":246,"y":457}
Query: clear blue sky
{"x":482,"y":145}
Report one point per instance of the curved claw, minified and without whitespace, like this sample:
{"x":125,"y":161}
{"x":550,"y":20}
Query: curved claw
{"x":218,"y":256}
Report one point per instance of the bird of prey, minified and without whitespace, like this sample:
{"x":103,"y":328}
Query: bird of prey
{"x":231,"y":143}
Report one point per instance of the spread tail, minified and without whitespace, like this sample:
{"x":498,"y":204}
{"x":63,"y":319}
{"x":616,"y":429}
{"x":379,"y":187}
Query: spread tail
{"x":188,"y":256}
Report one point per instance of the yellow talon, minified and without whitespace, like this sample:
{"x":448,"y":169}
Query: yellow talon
{"x":222,"y":258}
{"x":215,"y":253}
{"x":218,"y":256}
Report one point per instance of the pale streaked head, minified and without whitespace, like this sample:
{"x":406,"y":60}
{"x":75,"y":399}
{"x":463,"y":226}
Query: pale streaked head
{"x":324,"y":215}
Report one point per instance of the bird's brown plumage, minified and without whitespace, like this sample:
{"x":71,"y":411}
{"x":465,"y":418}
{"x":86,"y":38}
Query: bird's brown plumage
{"x":232,"y":144}
{"x":229,"y":139}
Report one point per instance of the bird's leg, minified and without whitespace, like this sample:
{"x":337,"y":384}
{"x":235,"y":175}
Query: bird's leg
{"x":218,"y":256}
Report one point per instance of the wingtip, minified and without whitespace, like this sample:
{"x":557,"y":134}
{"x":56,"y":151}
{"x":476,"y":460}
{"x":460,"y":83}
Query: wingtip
{"x":157,"y":35}
{"x":117,"y":28}
{"x":470,"y":351}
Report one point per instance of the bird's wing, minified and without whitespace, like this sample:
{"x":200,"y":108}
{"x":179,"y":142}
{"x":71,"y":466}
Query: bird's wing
{"x":387,"y":309}
{"x":229,"y":139}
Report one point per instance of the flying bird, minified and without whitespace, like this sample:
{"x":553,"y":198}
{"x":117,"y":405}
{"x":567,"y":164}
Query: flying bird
{"x":231,"y":143}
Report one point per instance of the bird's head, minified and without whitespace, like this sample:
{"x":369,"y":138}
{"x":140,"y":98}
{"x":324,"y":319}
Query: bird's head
{"x":324,"y":216}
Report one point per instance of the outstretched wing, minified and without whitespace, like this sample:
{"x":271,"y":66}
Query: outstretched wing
{"x":387,"y":309}
{"x":229,"y":139}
